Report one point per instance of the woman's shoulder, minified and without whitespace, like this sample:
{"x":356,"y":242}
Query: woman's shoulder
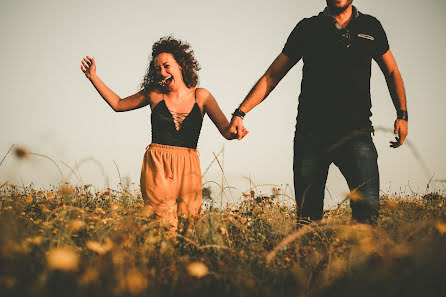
{"x":202,"y":95}
{"x":154,"y":96}
{"x":201,"y":91}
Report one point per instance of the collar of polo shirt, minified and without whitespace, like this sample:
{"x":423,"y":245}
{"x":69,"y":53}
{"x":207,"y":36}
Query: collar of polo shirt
{"x":326,"y":12}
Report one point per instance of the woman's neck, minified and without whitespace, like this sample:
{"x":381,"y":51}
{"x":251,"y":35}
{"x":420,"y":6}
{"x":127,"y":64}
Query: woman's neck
{"x":179,"y":93}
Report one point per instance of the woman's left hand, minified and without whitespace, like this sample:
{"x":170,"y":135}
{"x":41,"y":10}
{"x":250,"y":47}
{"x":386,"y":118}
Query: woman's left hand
{"x":88,"y":67}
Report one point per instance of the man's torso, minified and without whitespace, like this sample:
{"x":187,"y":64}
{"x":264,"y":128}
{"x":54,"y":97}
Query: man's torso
{"x":335,"y":89}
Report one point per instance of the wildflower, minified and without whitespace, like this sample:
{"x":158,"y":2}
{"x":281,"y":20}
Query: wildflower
{"x":62,"y":259}
{"x":151,"y":239}
{"x":222,"y":230}
{"x":197,"y":269}
{"x":101,"y":249}
{"x":76,"y":225}
{"x":114,"y":207}
{"x":49,"y":196}
{"x":441,"y":227}
{"x":29,"y":198}
{"x":35,"y":240}
{"x":389,"y":204}
{"x":66,"y":189}
{"x":135,"y":281}
{"x":99,"y":210}
{"x":44,"y":208}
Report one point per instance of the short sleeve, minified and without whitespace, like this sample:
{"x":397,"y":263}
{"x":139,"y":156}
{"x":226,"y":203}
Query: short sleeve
{"x":382,"y":44}
{"x":294,"y":46}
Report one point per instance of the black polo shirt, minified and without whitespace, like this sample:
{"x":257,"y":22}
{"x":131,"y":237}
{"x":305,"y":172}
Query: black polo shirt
{"x":335,"y":89}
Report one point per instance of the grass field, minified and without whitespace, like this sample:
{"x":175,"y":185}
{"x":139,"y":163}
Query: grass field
{"x":75,"y":241}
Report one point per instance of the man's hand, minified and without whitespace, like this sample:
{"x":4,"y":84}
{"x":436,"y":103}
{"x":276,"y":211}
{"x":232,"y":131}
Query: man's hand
{"x":401,"y":130}
{"x":236,"y":127}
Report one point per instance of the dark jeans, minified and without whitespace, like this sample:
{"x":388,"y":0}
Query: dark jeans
{"x":356,"y":158}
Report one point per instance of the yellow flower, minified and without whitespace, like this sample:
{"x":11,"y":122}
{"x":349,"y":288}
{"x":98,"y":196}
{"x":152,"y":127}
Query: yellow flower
{"x":35,"y":240}
{"x":44,"y":208}
{"x":441,"y":227}
{"x":197,"y":269}
{"x":100,"y":248}
{"x":62,"y":259}
{"x":29,"y":198}
{"x":66,"y":189}
{"x":222,"y":230}
{"x":135,"y":281}
{"x":76,"y":225}
{"x":389,"y":204}
{"x":49,"y":196}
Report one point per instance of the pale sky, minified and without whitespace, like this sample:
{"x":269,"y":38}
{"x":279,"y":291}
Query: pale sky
{"x":50,"y":108}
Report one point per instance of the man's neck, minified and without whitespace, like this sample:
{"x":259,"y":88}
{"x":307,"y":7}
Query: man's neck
{"x":344,"y":17}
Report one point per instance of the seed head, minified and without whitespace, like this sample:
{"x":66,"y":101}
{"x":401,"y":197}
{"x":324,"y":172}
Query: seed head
{"x":21,"y":152}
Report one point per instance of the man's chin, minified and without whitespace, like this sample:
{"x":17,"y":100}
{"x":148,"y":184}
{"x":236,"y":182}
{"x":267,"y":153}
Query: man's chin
{"x":337,"y":10}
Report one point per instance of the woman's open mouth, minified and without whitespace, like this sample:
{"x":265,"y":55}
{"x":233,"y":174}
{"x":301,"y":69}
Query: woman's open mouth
{"x":168,"y":80}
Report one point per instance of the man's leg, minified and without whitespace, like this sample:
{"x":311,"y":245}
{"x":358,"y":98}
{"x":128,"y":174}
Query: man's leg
{"x":310,"y":168}
{"x":357,"y":161}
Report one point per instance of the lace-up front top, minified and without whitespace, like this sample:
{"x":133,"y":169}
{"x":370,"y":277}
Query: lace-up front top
{"x":175,"y":128}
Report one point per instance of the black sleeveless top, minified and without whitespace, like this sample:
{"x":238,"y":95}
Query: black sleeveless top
{"x":164,"y":130}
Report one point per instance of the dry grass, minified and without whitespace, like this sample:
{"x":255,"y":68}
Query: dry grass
{"x":73,"y":241}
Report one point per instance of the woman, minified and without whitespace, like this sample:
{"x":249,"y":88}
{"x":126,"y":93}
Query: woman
{"x":171,"y":174}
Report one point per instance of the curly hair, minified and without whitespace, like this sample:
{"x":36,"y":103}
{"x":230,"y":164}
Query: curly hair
{"x":184,"y":56}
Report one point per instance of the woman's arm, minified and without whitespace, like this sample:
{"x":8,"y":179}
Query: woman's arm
{"x":134,"y":101}
{"x":216,"y":115}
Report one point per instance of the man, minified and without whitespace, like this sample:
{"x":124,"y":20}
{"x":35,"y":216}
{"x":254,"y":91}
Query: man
{"x":333,"y":121}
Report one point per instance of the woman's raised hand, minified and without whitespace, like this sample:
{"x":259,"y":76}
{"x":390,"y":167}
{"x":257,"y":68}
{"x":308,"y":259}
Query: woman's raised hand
{"x":88,"y":66}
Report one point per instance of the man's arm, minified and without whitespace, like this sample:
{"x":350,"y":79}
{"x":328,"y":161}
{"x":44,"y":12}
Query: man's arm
{"x":395,"y":85}
{"x":276,"y":71}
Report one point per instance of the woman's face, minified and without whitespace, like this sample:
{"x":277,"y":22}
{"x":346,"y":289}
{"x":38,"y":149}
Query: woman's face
{"x":168,"y":70}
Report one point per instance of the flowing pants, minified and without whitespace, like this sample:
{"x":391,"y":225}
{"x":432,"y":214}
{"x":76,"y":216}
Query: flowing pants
{"x":171,"y":183}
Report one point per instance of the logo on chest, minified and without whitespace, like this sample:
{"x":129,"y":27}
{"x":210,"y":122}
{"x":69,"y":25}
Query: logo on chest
{"x":366,"y":36}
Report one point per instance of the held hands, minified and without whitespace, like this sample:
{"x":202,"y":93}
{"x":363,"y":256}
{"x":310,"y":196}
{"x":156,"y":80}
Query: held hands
{"x":88,"y":67}
{"x":236,"y":128}
{"x":401,"y":130}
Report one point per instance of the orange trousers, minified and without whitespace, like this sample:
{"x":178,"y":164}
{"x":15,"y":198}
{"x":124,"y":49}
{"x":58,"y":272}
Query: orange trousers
{"x":171,"y":183}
